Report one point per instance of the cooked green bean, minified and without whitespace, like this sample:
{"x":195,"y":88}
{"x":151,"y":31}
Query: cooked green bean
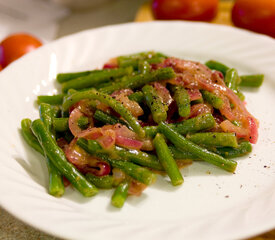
{"x":108,"y":100}
{"x":144,"y":67}
{"x":27,"y":134}
{"x":212,"y":99}
{"x":226,"y":152}
{"x":58,"y":158}
{"x":134,"y":59}
{"x":120,"y":194}
{"x":92,"y":80}
{"x":167,"y":160}
{"x":185,"y":145}
{"x":107,"y":118}
{"x":232,"y":81}
{"x":135,"y":156}
{"x":137,"y":97}
{"x":178,"y":154}
{"x":192,"y":125}
{"x":154,"y":102}
{"x":139,"y":80}
{"x":65,"y":77}
{"x":251,"y":80}
{"x":104,"y":182}
{"x":53,"y":100}
{"x":229,"y":152}
{"x":83,"y":122}
{"x":214,"y":65}
{"x":182,"y":99}
{"x":60,"y":124}
{"x":215,"y":139}
{"x":137,"y":172}
{"x":56,"y":186}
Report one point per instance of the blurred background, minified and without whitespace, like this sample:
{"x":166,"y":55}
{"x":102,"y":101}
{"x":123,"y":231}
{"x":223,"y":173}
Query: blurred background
{"x":28,"y":24}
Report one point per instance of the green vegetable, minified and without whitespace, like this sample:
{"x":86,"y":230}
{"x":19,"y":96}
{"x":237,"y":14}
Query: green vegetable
{"x":182,"y":99}
{"x":120,"y":194}
{"x":65,"y":77}
{"x":105,"y":182}
{"x":229,"y":152}
{"x":212,"y":99}
{"x":92,"y":80}
{"x":154,"y":102}
{"x":251,"y":80}
{"x":134,"y":59}
{"x":27,"y":134}
{"x":56,"y":186}
{"x":216,"y":139}
{"x":214,"y":65}
{"x":58,"y":158}
{"x":232,"y":81}
{"x":167,"y":160}
{"x":185,"y":145}
{"x":144,"y":66}
{"x":139,"y":173}
{"x":192,"y":125}
{"x":135,"y":156}
{"x":108,"y":100}
{"x":139,"y":80}
{"x":137,"y":97}
{"x":178,"y":154}
{"x":107,"y":118}
{"x":53,"y":100}
{"x":60,"y":124}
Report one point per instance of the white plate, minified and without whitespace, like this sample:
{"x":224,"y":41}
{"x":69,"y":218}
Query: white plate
{"x":211,"y":204}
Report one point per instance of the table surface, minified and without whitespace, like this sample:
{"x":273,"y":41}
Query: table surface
{"x":105,"y":14}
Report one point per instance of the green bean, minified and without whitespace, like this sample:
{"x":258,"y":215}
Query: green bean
{"x":139,"y":80}
{"x":108,"y":100}
{"x":182,"y":99}
{"x":120,"y":194}
{"x":137,"y":97}
{"x":216,"y":139}
{"x":167,"y":160}
{"x":154,"y":102}
{"x":251,"y":80}
{"x":107,"y":118}
{"x":185,"y":145}
{"x":183,"y":155}
{"x":214,"y":65}
{"x":192,"y":125}
{"x":229,"y":152}
{"x":226,"y":152}
{"x":134,"y":59}
{"x":232,"y":81}
{"x":46,"y":115}
{"x":53,"y":100}
{"x":93,"y":79}
{"x":56,"y":186}
{"x":65,"y":77}
{"x":212,"y":99}
{"x":135,"y":156}
{"x":60,"y":124}
{"x":139,"y":173}
{"x":27,"y":134}
{"x":83,"y":122}
{"x":58,"y":158}
{"x":144,"y":67}
{"x":104,"y":182}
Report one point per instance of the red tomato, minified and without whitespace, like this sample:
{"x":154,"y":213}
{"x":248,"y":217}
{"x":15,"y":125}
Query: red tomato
{"x":195,"y":10}
{"x":255,"y":15}
{"x":15,"y":46}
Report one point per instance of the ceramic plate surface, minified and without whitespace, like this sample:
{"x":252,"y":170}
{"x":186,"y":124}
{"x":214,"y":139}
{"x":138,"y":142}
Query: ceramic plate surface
{"x":211,"y":204}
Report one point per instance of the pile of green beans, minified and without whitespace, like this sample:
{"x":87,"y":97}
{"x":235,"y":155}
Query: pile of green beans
{"x":172,"y":144}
